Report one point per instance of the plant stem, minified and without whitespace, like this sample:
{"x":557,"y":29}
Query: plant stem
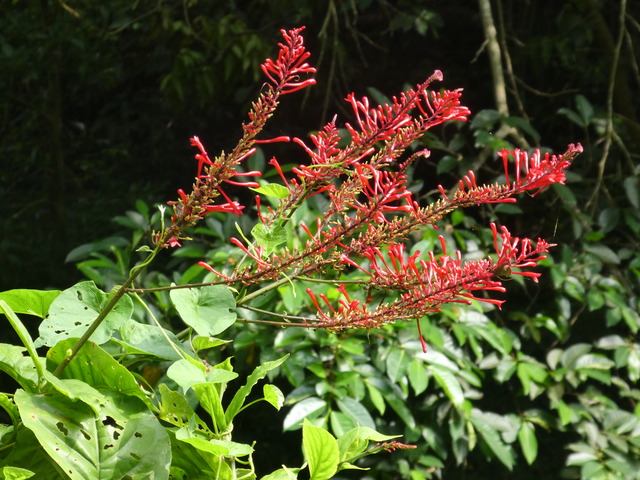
{"x":135,"y":271}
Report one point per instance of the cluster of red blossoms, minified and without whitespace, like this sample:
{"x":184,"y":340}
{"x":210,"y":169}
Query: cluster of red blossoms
{"x":371,"y":211}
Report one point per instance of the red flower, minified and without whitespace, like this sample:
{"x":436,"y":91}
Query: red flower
{"x":284,"y":72}
{"x":539,"y":172}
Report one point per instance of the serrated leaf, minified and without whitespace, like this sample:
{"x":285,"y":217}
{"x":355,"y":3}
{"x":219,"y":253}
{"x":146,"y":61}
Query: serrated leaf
{"x":321,"y":451}
{"x":209,"y":310}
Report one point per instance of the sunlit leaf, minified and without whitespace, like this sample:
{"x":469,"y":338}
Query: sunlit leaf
{"x":321,"y":451}
{"x":209,"y":310}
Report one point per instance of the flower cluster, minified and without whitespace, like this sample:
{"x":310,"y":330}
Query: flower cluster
{"x":284,"y":76}
{"x":371,"y":211}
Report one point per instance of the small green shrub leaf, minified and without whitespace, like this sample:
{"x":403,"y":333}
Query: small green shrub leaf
{"x":258,"y":374}
{"x":273,"y":190}
{"x":269,"y":237}
{"x":75,"y":309}
{"x":273,"y":395}
{"x":321,"y":451}
{"x":15,"y":473}
{"x":449,"y":383}
{"x":30,"y":302}
{"x":493,"y":440}
{"x":528,"y":442}
{"x":354,"y":409}
{"x":95,"y":367}
{"x":208,"y":310}
{"x":307,"y":408}
{"x":19,"y":366}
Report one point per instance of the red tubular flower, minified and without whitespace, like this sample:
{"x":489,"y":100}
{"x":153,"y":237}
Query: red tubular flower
{"x":284,"y":73}
{"x":539,"y":172}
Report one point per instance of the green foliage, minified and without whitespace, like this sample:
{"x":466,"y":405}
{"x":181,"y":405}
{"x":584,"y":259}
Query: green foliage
{"x":547,"y":387}
{"x":102,"y":418}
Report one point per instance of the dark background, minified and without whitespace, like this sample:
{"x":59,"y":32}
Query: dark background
{"x":99,"y":100}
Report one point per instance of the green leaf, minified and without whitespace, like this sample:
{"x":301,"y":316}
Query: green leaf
{"x":209,"y":310}
{"x":19,"y":366}
{"x":175,"y":409}
{"x":96,"y":367}
{"x":604,"y":253}
{"x":15,"y":473}
{"x":30,"y":302}
{"x":393,"y":398}
{"x":321,"y":451}
{"x":356,"y":411}
{"x":632,"y":191}
{"x":188,"y":372}
{"x":306,"y":408}
{"x":585,"y":109}
{"x":528,"y":442}
{"x":283,"y":473}
{"x":203,"y":343}
{"x":273,"y":395}
{"x":272,"y":190}
{"x":215,"y":447}
{"x":25,"y":337}
{"x":9,"y":406}
{"x":418,"y":377}
{"x":142,"y":339}
{"x":396,"y":363}
{"x":376,"y":398}
{"x":571,"y":115}
{"x":355,"y":441}
{"x":27,"y":454}
{"x":123,"y":439}
{"x":258,"y":374}
{"x":210,"y":400}
{"x":449,"y":383}
{"x":75,"y":309}
{"x":493,"y":440}
{"x":269,"y":237}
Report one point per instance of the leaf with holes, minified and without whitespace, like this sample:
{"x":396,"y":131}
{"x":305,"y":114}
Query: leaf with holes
{"x":75,"y":309}
{"x":124,"y":439}
{"x":208,"y":310}
{"x":97,"y":368}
